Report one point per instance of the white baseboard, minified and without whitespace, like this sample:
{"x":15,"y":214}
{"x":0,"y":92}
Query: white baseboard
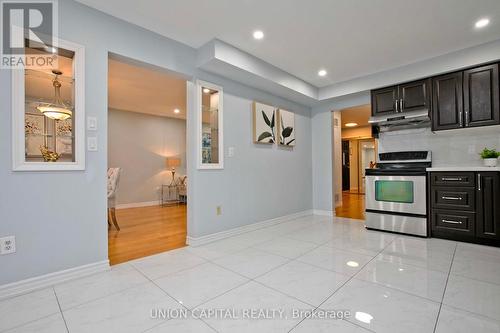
{"x":47,"y":280}
{"x":197,"y":241}
{"x":324,"y":212}
{"x":138,"y":204}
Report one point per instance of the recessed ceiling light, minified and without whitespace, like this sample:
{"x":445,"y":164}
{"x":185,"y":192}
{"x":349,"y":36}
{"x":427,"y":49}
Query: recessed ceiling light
{"x":351,"y":124}
{"x":481,"y":23}
{"x":258,"y":34}
{"x":177,"y":111}
{"x":322,"y":72}
{"x":206,"y":90}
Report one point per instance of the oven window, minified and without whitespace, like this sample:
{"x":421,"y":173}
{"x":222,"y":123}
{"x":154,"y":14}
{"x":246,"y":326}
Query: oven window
{"x":394,"y":191}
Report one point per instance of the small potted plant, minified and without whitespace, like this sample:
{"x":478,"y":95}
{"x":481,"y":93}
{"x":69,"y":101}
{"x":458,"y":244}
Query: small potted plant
{"x":490,"y":157}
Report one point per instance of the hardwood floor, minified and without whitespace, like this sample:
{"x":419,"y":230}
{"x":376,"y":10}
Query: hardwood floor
{"x":146,"y":231}
{"x":353,"y":206}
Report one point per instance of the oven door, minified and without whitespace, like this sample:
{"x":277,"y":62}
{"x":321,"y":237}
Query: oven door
{"x":396,"y":194}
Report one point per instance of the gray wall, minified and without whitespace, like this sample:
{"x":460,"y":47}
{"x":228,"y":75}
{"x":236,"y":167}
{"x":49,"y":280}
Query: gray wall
{"x":139,"y":143}
{"x":59,"y":218}
{"x":449,"y":148}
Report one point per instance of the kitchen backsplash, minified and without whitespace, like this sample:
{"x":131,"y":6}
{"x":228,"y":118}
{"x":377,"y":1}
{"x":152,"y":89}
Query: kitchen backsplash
{"x":449,"y":148}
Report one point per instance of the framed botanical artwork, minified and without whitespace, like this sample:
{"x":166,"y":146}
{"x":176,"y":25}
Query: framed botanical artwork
{"x":286,"y":128}
{"x":264,"y":123}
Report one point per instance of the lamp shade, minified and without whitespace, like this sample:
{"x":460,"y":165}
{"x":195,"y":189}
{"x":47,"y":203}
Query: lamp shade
{"x":173,"y":162}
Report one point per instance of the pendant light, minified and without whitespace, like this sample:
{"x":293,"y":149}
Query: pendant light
{"x":57,"y":109}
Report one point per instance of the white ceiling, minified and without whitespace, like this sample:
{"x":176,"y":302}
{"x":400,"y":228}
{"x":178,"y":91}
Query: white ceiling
{"x":348,"y":38}
{"x":145,"y":90}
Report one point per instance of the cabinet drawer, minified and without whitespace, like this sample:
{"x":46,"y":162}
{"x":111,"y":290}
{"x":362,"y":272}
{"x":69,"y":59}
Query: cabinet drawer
{"x":455,"y":222}
{"x":453,"y":179}
{"x":453,"y":198}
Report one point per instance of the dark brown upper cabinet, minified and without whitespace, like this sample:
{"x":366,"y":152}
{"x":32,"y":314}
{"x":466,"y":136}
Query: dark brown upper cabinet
{"x":487,"y":205}
{"x":415,"y":95}
{"x":384,"y":100}
{"x":404,"y":97}
{"x":481,"y":94}
{"x":447,"y":102}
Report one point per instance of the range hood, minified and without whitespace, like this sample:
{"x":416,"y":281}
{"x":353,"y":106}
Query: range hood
{"x":402,"y":120}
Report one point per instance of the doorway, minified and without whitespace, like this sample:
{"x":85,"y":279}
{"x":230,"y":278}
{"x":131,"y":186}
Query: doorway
{"x":358,"y":148}
{"x":147,"y":182}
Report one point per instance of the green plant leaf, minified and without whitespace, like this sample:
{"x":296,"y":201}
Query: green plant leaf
{"x":289,"y":142}
{"x":272,"y":121}
{"x":264,"y":135}
{"x":266,"y":119}
{"x":489,"y":153}
{"x":287,"y":131}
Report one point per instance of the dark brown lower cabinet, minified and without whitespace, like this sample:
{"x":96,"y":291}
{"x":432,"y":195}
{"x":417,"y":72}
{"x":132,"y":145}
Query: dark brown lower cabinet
{"x":466,"y":211}
{"x":488,"y":205}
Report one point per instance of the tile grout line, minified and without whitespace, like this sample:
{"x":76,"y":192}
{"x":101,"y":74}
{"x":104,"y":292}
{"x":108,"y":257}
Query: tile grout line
{"x":336,"y":290}
{"x":444,"y":291}
{"x":60,"y":309}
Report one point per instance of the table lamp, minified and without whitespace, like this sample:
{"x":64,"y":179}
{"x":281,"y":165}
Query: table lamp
{"x":172,"y":163}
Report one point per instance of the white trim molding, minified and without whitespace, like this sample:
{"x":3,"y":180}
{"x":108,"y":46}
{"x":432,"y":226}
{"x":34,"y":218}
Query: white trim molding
{"x":138,"y":204}
{"x":323,"y":212}
{"x":48,"y":280}
{"x":18,"y":114}
{"x":197,"y":241}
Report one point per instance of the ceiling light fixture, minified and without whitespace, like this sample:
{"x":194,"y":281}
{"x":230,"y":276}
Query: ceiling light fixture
{"x":322,"y":72}
{"x":57,"y":109}
{"x":206,"y":90}
{"x":258,"y":34}
{"x":351,"y":124}
{"x":481,"y":23}
{"x":177,"y":111}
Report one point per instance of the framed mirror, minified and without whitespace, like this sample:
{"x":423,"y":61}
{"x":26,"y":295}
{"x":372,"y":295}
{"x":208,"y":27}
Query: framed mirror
{"x":48,"y":113}
{"x":209,"y":108}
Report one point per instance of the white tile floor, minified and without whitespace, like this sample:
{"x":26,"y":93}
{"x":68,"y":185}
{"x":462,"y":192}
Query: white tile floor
{"x":389,"y":283}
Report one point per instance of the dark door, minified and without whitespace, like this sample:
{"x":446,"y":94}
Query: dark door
{"x":481,"y":96}
{"x":447,"y":103}
{"x":415,"y":95}
{"x":346,"y":174}
{"x":488,"y":205}
{"x":384,"y":100}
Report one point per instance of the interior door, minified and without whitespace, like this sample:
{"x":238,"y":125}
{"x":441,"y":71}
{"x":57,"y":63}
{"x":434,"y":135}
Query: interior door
{"x":367,"y":158}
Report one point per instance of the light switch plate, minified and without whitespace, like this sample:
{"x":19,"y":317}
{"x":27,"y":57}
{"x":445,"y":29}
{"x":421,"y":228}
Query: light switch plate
{"x":92,"y":123}
{"x":92,"y":143}
{"x":7,"y":245}
{"x":230,"y":151}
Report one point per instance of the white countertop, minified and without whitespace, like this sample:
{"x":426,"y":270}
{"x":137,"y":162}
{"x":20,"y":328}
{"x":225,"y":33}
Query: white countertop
{"x":464,"y":168}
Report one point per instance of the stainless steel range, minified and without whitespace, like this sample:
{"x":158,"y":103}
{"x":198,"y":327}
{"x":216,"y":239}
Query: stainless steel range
{"x":396,"y":196}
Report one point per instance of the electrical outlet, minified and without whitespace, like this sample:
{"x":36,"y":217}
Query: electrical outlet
{"x":219,"y":210}
{"x":8,"y":245}
{"x":230,"y":152}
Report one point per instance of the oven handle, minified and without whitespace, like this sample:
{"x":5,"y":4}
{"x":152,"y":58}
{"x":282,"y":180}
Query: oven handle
{"x":454,"y":179}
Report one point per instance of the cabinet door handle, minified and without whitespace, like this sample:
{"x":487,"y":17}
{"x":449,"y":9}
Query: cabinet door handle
{"x":479,"y":182}
{"x":401,"y":105}
{"x":450,"y":221}
{"x":451,"y":179}
{"x":451,"y":198}
{"x":460,"y":119}
{"x":396,"y":105}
